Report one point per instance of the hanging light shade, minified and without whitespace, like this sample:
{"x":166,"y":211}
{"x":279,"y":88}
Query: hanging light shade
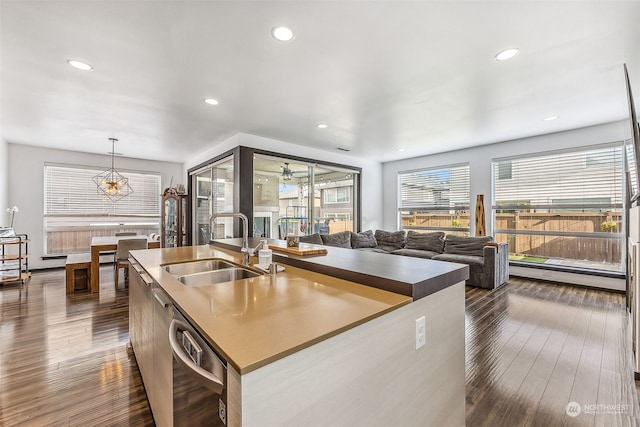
{"x":286,"y":172}
{"x":110,"y":182}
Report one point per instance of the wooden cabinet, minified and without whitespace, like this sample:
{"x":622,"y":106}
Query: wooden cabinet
{"x":174,"y":220}
{"x":14,"y":259}
{"x":161,"y":398}
{"x":141,"y":321}
{"x":149,"y":318}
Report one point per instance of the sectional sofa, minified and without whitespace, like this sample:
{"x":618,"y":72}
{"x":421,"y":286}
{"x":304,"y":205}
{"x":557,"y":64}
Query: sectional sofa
{"x":488,"y":261}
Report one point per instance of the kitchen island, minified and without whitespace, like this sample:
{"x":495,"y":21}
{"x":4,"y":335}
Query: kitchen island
{"x":305,"y":348}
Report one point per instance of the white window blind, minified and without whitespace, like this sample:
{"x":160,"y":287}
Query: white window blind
{"x":70,"y":190}
{"x":586,"y":180}
{"x":74,"y":210}
{"x":442,"y":189}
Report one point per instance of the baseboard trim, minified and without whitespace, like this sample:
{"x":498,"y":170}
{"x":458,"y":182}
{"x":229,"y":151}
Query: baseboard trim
{"x":592,"y":281}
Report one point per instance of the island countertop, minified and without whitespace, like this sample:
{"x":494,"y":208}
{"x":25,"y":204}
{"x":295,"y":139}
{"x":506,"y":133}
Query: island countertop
{"x":253,"y":322}
{"x":414,"y":277}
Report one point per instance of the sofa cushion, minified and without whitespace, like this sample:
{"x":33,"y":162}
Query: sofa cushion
{"x":433,"y":242}
{"x":364,"y":239}
{"x":463,"y":245}
{"x":340,"y":240}
{"x":418,"y":253}
{"x":475,"y":263}
{"x":313,"y":238}
{"x":390,"y":240}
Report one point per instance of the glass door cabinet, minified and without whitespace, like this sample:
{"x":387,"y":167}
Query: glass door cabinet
{"x":174,"y":220}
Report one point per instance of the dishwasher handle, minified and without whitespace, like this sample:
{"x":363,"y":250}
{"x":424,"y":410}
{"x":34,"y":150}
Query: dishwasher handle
{"x":204,"y":377}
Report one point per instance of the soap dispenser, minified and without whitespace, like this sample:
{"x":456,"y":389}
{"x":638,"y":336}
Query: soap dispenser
{"x":265,"y":254}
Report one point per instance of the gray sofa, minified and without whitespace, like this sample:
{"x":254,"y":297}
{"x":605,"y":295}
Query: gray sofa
{"x":488,"y":261}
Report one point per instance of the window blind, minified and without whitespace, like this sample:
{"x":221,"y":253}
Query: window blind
{"x":585,"y":180}
{"x":70,"y":190}
{"x":442,"y":189}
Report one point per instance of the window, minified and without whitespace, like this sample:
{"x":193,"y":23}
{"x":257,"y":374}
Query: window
{"x":300,"y":199}
{"x":337,"y":216}
{"x":562,"y":208}
{"x":336,"y":195}
{"x":74,"y":211}
{"x":214,"y":189}
{"x":435,"y":199}
{"x":505,"y":170}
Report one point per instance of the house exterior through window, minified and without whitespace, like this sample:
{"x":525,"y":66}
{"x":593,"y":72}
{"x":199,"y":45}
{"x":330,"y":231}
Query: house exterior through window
{"x":435,"y":199}
{"x":562,"y":209}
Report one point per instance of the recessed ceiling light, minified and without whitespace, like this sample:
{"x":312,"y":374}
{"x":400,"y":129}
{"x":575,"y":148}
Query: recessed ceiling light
{"x":79,"y":65}
{"x":401,"y":149}
{"x":211,"y":101}
{"x":549,"y":118}
{"x":506,"y":54}
{"x":284,"y":34}
{"x":322,"y":125}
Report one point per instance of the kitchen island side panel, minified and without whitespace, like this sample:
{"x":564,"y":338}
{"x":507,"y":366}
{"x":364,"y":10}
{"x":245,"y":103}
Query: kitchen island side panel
{"x":369,"y":375}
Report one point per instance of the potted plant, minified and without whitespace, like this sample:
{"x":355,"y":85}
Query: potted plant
{"x":608,"y":226}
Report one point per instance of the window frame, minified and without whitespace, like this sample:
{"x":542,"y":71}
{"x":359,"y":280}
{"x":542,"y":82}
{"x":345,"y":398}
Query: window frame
{"x":459,"y":201}
{"x":327,"y":191}
{"x":86,"y":213}
{"x":582,"y":195}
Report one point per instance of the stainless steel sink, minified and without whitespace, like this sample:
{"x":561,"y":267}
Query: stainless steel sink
{"x":217,"y":276}
{"x":191,"y":267}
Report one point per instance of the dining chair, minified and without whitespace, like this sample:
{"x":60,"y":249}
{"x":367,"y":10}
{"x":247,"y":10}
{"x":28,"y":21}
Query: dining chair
{"x":126,"y":233}
{"x":121,"y":257}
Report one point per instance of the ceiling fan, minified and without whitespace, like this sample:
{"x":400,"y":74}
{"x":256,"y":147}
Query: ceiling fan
{"x":287,"y":174}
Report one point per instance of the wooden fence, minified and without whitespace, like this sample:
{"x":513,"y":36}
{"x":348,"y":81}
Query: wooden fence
{"x":594,"y":249}
{"x":73,"y":241}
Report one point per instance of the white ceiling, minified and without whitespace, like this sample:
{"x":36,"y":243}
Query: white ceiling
{"x":383,"y":75}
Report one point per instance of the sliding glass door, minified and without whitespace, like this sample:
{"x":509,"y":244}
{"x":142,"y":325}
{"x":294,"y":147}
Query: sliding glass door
{"x":301,"y":198}
{"x":214,"y":192}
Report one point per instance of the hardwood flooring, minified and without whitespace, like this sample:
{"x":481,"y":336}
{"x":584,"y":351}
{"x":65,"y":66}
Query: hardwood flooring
{"x":64,"y":359}
{"x":531,"y":348}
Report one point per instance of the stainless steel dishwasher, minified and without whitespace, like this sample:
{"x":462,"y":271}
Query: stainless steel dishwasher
{"x":199,"y":377}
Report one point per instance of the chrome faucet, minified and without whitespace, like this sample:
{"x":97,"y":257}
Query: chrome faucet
{"x":246,"y":250}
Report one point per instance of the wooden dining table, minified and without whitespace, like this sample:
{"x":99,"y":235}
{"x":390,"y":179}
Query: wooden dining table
{"x":108,"y":243}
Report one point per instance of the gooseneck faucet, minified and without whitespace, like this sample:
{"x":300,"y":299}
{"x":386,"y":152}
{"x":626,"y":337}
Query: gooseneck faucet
{"x":246,"y":250}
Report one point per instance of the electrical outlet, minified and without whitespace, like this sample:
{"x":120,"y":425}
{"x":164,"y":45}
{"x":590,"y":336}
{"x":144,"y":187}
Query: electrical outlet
{"x":421,"y":332}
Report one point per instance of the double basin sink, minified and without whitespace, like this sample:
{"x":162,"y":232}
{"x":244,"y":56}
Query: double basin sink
{"x":208,"y":272}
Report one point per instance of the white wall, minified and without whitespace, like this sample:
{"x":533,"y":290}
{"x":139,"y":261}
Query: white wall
{"x":479,"y":159}
{"x":26,"y":186}
{"x":4,"y":182}
{"x":371,"y":170}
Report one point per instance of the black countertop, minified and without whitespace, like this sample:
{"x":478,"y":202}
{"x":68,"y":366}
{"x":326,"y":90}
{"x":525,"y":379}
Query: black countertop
{"x":414,"y":277}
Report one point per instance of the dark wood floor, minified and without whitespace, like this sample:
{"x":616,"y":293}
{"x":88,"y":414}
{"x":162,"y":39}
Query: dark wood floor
{"x":532,"y":347}
{"x":64,"y":359}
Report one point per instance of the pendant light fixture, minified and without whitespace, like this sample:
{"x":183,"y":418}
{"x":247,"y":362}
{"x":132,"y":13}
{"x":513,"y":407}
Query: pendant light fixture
{"x":286,"y":173}
{"x":110,"y":182}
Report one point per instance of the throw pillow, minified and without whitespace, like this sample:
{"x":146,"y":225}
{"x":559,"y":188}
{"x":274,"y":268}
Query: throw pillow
{"x":340,"y":240}
{"x":314,"y":238}
{"x":364,"y":239}
{"x":463,"y":245}
{"x":433,"y":242}
{"x":390,"y":240}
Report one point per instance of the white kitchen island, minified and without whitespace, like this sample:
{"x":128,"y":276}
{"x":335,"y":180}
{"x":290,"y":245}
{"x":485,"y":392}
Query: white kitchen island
{"x":308,"y":349}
